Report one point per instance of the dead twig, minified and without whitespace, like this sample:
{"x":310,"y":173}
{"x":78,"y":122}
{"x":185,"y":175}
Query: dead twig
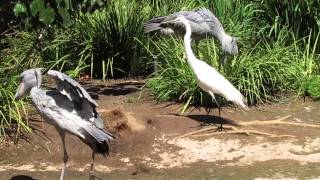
{"x":234,"y":130}
{"x":246,"y":132}
{"x":279,"y":121}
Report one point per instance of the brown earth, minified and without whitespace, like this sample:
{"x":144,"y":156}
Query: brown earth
{"x":147,"y":146}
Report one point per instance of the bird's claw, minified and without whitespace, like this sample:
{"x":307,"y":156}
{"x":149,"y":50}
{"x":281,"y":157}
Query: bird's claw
{"x":94,"y":177}
{"x":220,"y":129}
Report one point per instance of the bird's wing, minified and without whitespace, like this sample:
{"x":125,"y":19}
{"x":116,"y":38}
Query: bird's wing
{"x":212,"y":80}
{"x":202,"y":21}
{"x":66,"y":85}
{"x":58,"y":110}
{"x":192,"y":16}
{"x":210,"y":19}
{"x":77,"y":94}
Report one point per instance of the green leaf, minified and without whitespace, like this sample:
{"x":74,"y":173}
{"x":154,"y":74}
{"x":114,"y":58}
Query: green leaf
{"x":47,"y":16}
{"x":19,"y":8}
{"x":65,"y":17}
{"x":36,"y":6}
{"x":68,"y":4}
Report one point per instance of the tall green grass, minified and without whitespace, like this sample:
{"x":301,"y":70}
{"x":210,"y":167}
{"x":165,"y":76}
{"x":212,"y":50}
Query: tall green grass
{"x":300,"y":17}
{"x":259,"y":73}
{"x":13,"y":114}
{"x":263,"y":69}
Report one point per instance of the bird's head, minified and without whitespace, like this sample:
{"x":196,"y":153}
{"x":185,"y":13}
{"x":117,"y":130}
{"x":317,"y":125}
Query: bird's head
{"x":28,"y":79}
{"x":229,"y":45}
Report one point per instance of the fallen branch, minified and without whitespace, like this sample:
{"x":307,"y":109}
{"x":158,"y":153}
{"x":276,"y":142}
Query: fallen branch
{"x":246,"y":132}
{"x":277,"y":122}
{"x":234,"y":130}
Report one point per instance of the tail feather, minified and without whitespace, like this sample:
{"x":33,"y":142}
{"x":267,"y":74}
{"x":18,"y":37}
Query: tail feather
{"x":240,"y":101}
{"x":153,"y":24}
{"x":152,"y":27}
{"x":157,"y":19}
{"x":96,"y":138}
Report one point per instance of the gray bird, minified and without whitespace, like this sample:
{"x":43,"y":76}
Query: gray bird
{"x":203,"y":23}
{"x":69,"y":108}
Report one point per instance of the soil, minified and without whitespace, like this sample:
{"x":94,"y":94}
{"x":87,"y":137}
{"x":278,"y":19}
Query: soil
{"x":147,"y":147}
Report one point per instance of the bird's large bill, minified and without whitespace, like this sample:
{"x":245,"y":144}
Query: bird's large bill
{"x":20,"y":91}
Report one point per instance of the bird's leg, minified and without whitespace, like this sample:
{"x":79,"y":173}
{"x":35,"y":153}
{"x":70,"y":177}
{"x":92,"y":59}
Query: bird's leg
{"x":65,"y":154}
{"x":208,"y":109}
{"x":220,"y":128}
{"x":220,"y":61}
{"x":91,"y":173}
{"x":223,"y":60}
{"x":91,"y":176}
{"x":197,"y":48}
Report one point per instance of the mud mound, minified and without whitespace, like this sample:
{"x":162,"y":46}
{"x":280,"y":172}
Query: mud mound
{"x":120,"y":122}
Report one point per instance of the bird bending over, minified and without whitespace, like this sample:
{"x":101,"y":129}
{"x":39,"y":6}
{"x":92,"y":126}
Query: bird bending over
{"x":69,"y":108}
{"x":209,"y":79}
{"x":203,"y":23}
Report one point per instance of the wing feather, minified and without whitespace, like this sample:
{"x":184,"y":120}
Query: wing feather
{"x":67,"y":85}
{"x":76,"y":93}
{"x":202,"y":21}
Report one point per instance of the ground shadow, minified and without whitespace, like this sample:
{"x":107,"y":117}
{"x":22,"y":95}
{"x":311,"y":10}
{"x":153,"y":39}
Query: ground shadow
{"x":22,"y":177}
{"x":207,"y":120}
{"x":118,"y":89}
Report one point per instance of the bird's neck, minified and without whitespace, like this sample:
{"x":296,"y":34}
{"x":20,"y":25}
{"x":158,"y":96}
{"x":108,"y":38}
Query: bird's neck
{"x":224,"y":39}
{"x":187,"y":43}
{"x":34,"y":90}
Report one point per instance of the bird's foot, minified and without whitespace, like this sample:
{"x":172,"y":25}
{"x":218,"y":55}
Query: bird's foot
{"x":94,"y":177}
{"x":220,"y":129}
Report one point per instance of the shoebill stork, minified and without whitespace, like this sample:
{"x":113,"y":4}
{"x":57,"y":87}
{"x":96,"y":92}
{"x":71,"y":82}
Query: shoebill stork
{"x":69,"y":108}
{"x":203,"y":24}
{"x":208,"y":79}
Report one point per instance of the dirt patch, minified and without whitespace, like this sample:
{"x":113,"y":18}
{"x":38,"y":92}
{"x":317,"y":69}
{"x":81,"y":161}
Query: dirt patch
{"x":146,"y":146}
{"x":234,"y":151}
{"x":120,"y":122}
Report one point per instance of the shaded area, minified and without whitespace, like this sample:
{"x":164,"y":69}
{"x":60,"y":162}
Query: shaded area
{"x":207,"y":120}
{"x":22,"y":177}
{"x":117,"y":89}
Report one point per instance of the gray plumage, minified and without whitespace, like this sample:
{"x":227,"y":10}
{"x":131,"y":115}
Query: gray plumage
{"x":76,"y":93}
{"x":69,"y":108}
{"x":203,"y":23}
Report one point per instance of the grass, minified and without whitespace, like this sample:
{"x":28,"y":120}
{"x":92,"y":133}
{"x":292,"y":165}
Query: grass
{"x":258,"y":73}
{"x":13,"y":114}
{"x":300,"y":17}
{"x":262,"y":70}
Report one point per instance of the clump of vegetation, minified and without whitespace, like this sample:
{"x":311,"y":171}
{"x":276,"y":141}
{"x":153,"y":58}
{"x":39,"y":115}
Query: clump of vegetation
{"x":313,"y":87}
{"x":264,"y":67}
{"x":300,"y":17}
{"x":12,"y":61}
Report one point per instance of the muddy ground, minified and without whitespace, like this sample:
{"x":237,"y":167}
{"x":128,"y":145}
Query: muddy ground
{"x":148,"y":144}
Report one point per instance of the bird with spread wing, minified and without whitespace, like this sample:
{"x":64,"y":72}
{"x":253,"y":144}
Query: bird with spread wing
{"x":69,"y":108}
{"x":203,"y":24}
